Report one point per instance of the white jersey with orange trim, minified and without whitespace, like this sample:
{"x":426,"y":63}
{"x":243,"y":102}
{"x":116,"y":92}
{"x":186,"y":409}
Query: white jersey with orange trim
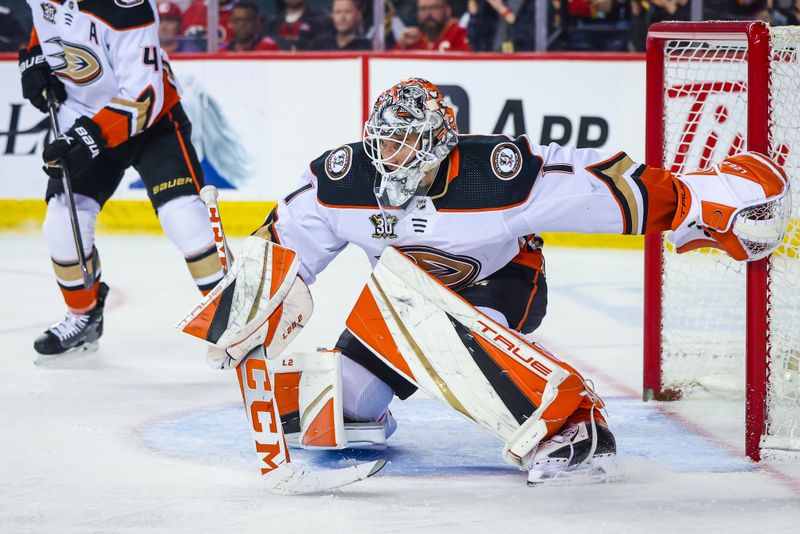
{"x":491,"y":192}
{"x":107,"y":53}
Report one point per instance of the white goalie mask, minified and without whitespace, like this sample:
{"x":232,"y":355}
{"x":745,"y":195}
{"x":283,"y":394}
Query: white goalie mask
{"x":408,"y":134}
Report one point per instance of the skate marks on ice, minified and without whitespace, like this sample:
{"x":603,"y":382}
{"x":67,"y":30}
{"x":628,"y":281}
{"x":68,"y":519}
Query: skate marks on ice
{"x":431,"y":440}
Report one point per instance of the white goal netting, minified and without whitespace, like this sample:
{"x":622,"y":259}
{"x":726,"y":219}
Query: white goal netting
{"x":704,"y":296}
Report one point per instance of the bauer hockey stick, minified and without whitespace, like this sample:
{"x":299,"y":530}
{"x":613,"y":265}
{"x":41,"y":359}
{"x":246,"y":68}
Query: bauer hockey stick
{"x":88,"y":277}
{"x":257,"y":383}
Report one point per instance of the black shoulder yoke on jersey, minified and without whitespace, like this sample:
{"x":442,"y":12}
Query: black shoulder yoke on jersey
{"x":120,"y":14}
{"x":346,"y":177}
{"x":494,"y":172}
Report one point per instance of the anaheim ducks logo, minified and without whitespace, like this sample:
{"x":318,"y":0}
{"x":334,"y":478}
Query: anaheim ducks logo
{"x":506,"y":161}
{"x":453,"y":271}
{"x":78,"y":63}
{"x":337,"y":164}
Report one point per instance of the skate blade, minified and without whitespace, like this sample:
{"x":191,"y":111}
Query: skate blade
{"x":597,"y":471}
{"x":68,"y":359}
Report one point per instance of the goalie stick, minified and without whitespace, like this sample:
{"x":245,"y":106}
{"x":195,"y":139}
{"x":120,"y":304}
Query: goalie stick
{"x":257,"y":386}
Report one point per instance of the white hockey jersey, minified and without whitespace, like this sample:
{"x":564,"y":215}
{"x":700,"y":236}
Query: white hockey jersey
{"x":490,"y":194}
{"x":107,"y":54}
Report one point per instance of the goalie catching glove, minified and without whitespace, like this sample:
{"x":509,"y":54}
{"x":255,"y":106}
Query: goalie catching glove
{"x":742,"y":206}
{"x":261,"y":301}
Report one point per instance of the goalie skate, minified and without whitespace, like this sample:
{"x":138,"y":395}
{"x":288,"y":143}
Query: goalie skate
{"x":370,"y":435}
{"x":581,"y":453}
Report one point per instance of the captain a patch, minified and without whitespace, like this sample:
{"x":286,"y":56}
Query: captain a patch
{"x":506,"y":161}
{"x":338,"y":162}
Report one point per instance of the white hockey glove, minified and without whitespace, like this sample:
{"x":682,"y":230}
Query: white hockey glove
{"x":261,"y":301}
{"x":742,"y":206}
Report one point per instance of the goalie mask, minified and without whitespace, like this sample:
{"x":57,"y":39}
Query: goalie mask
{"x":408,"y":134}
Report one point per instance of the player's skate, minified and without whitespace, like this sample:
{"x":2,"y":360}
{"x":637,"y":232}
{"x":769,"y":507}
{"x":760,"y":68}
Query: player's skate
{"x":75,"y":332}
{"x":583,"y":451}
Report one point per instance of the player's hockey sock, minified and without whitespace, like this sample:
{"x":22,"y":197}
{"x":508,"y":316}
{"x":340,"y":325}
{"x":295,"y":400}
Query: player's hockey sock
{"x":206,"y":269}
{"x":185,"y":221}
{"x":70,"y":280}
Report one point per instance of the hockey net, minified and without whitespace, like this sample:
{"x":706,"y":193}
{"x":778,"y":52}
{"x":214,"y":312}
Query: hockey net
{"x":715,"y":89}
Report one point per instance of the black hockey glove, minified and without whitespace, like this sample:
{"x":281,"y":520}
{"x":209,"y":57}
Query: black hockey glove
{"x":37,"y":78}
{"x":75,"y":149}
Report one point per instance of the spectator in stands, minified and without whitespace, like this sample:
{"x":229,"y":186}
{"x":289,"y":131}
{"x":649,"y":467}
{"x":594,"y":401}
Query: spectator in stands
{"x":436,"y":30}
{"x":501,"y":25}
{"x":736,"y":9}
{"x":195,"y":21}
{"x":169,"y":30}
{"x":297,"y":25}
{"x":790,"y":9}
{"x":394,"y":20}
{"x":12,"y":36}
{"x":762,"y":10}
{"x":246,"y":27}
{"x":646,"y":12}
{"x":592,"y":25}
{"x":347,"y":17}
{"x":484,"y":21}
{"x":183,"y":4}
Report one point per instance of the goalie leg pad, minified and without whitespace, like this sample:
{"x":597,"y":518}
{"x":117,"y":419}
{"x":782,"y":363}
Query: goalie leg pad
{"x":516,"y":390}
{"x":321,"y":415}
{"x":286,"y":372}
{"x":367,"y":421}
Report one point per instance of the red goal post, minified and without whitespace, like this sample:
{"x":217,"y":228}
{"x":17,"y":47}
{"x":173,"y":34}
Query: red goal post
{"x":713,"y":89}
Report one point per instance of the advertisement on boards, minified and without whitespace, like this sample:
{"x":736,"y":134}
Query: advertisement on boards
{"x":258,"y":122}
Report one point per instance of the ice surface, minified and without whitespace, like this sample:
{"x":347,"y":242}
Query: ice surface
{"x":142,"y":436}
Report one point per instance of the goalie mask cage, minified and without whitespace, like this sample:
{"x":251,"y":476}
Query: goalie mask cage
{"x":713,"y":89}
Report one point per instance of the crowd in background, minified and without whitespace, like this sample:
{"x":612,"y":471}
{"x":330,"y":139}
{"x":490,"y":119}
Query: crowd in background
{"x":441,"y":25}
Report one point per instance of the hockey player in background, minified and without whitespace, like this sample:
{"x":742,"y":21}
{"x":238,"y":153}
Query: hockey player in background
{"x":463,"y":208}
{"x":119,"y":106}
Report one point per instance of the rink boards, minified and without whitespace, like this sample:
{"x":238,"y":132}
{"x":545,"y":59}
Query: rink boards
{"x":259,"y":121}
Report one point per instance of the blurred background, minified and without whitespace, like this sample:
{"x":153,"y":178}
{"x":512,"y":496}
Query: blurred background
{"x":440,"y":25}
